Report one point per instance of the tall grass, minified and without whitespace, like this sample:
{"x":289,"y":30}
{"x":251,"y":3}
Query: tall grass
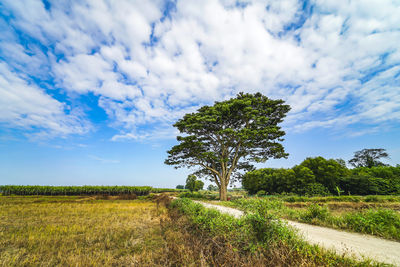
{"x":257,"y":239}
{"x":381,"y":222}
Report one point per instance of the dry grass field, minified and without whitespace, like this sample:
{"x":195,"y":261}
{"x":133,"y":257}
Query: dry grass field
{"x":80,"y":231}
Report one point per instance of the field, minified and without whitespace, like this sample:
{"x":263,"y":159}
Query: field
{"x":112,"y":231}
{"x":79,"y":231}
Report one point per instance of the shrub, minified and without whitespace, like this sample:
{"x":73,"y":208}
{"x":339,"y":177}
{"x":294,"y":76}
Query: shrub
{"x":190,"y":195}
{"x":382,"y":222}
{"x":261,"y":193}
{"x":315,"y":211}
{"x":257,"y":239}
{"x":314,"y":189}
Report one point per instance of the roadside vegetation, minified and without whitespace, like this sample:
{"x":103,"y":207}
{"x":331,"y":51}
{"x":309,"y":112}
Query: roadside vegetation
{"x":258,"y":239}
{"x":380,"y":218}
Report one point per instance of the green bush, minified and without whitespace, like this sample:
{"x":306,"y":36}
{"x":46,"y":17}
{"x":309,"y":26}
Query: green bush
{"x":259,"y":232}
{"x":261,"y":193}
{"x":382,"y":222}
{"x":314,"y":189}
{"x":315,"y":211}
{"x":191,"y":195}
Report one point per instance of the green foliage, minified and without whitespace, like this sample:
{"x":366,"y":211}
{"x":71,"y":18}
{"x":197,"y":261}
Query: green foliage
{"x":180,"y":186}
{"x":261,"y":193}
{"x":319,"y":176}
{"x":381,"y":180}
{"x":369,"y":158}
{"x":165,"y":190}
{"x":223,"y":139}
{"x":382,"y":222}
{"x":315,"y":211}
{"x":212,"y":188}
{"x":193,"y":184}
{"x":326,"y":172}
{"x":197,"y":195}
{"x":257,"y":232}
{"x":269,"y":180}
{"x":73,"y":190}
{"x":314,"y":189}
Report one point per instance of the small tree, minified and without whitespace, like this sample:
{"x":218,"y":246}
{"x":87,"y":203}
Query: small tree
{"x":369,"y":158}
{"x":193,"y":184}
{"x":179,"y":186}
{"x":326,"y":171}
{"x":223,"y":139}
{"x":212,"y":187}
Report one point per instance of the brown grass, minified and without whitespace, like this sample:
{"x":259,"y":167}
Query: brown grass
{"x":50,"y":231}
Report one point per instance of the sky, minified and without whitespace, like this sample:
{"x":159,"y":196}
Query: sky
{"x":89,"y":90}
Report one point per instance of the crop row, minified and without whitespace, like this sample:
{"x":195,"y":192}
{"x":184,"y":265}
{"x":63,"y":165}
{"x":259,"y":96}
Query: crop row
{"x":73,"y":190}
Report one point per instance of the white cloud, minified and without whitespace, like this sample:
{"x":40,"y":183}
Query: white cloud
{"x":148,"y":70}
{"x":25,"y":106}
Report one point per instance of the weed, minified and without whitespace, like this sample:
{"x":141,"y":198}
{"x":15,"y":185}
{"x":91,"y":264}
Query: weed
{"x":258,"y":239}
{"x":313,"y":212}
{"x":381,"y":222}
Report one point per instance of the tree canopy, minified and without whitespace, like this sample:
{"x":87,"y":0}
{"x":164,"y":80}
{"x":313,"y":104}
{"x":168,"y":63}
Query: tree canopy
{"x":193,"y":184}
{"x":369,"y":158}
{"x":223,"y":139}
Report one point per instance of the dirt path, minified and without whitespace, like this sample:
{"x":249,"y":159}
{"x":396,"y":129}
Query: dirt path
{"x":360,"y":245}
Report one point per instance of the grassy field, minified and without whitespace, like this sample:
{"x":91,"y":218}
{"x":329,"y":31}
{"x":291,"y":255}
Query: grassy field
{"x":110,"y":231}
{"x":79,"y":231}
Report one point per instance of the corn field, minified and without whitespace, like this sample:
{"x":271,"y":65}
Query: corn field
{"x":73,"y":190}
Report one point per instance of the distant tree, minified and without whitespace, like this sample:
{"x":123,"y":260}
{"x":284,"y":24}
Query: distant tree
{"x":179,"y":186}
{"x":326,"y":171}
{"x":341,"y":162}
{"x":199,"y":185}
{"x":303,"y":176}
{"x":212,"y":188}
{"x":223,"y":139}
{"x":369,"y":158}
{"x":193,"y":184}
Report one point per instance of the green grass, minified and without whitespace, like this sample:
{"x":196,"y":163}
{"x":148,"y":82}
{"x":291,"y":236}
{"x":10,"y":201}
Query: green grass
{"x":382,"y":222}
{"x":259,"y":238}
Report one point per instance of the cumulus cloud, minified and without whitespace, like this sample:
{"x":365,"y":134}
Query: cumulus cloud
{"x":336,"y":63}
{"x":25,"y":106}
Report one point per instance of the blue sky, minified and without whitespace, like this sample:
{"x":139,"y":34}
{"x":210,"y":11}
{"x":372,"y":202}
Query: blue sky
{"x":89,"y":89}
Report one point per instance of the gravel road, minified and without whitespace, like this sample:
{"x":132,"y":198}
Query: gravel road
{"x":360,"y":245}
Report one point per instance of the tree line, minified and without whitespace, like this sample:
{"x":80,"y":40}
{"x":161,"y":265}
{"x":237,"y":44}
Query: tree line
{"x":320,"y":176}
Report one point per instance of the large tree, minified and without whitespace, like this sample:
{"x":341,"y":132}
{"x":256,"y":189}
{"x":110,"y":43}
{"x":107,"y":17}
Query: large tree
{"x":369,"y":158}
{"x":222,"y":140}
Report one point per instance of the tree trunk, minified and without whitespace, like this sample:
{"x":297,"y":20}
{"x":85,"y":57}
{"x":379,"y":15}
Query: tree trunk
{"x":223,"y":196}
